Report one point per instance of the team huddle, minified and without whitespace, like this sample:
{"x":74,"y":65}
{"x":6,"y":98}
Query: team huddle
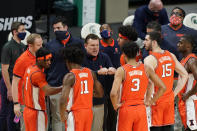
{"x":135,"y":87}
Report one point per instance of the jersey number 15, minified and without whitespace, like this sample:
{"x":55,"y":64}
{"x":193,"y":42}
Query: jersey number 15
{"x":167,"y":71}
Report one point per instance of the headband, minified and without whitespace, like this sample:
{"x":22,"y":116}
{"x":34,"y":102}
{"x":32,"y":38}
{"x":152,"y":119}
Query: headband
{"x":124,"y":37}
{"x":44,"y":57}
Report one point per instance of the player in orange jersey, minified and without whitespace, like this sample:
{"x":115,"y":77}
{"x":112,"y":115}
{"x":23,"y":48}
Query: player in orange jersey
{"x":187,"y":96}
{"x":163,"y":63}
{"x":78,"y":86}
{"x":134,"y":78}
{"x":35,"y":90}
{"x":127,"y":34}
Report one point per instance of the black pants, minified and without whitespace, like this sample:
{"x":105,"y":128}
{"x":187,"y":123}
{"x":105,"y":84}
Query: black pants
{"x":110,"y":117}
{"x":6,"y":111}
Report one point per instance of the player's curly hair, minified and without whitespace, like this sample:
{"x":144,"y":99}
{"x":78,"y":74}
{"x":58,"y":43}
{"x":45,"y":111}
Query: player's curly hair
{"x":73,"y":53}
{"x":42,"y":52}
{"x":130,"y":49}
{"x":129,"y":32}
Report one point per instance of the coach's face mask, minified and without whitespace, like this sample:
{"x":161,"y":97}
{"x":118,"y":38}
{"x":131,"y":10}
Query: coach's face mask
{"x":105,"y":34}
{"x":21,"y":35}
{"x":175,"y":20}
{"x":61,"y":35}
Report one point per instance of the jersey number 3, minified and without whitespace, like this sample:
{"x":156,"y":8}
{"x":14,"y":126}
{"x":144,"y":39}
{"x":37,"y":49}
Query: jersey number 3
{"x":84,"y":87}
{"x":136,"y":83}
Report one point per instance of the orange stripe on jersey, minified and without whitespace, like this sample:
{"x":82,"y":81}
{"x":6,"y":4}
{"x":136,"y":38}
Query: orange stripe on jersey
{"x":34,"y":81}
{"x":82,"y":91}
{"x":165,"y":71}
{"x":135,"y":85}
{"x":184,"y":61}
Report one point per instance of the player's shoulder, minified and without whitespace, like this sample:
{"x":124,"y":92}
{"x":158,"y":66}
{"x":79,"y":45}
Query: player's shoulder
{"x":150,"y":57}
{"x":150,"y":61}
{"x":69,"y":76}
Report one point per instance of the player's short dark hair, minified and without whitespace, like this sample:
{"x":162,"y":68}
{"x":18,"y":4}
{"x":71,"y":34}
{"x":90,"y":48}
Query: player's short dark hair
{"x":189,"y":39}
{"x":154,"y":25}
{"x":129,"y":32}
{"x":61,"y":19}
{"x":91,"y":36}
{"x":155,"y":36}
{"x":183,"y":12}
{"x":16,"y":25}
{"x":130,"y":49}
{"x":42,"y":52}
{"x":73,"y":53}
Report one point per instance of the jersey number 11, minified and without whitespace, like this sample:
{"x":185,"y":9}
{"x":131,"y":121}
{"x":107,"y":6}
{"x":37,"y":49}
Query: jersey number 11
{"x":84,"y":87}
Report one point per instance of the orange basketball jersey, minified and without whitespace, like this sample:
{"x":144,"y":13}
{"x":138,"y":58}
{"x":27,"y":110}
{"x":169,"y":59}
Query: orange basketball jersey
{"x":33,"y":94}
{"x":81,"y":93}
{"x":135,"y":85}
{"x":188,"y":108}
{"x":191,"y":81}
{"x":165,"y":71}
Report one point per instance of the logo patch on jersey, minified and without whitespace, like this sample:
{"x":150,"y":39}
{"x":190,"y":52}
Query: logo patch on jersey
{"x":179,"y":35}
{"x":191,"y":122}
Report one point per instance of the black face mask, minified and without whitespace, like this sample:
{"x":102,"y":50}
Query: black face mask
{"x":61,"y":35}
{"x":21,"y":35}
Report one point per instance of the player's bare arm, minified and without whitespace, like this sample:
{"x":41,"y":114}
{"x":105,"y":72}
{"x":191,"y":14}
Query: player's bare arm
{"x":157,"y":81}
{"x":150,"y":62}
{"x":68,"y":82}
{"x":15,"y":81}
{"x":98,"y":88}
{"x":118,"y":78}
{"x":48,"y":90}
{"x":191,"y":66}
{"x":183,"y":75}
{"x":6,"y":78}
{"x":149,"y":93}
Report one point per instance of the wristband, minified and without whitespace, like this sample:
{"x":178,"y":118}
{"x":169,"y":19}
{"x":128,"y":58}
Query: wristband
{"x":15,"y":103}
